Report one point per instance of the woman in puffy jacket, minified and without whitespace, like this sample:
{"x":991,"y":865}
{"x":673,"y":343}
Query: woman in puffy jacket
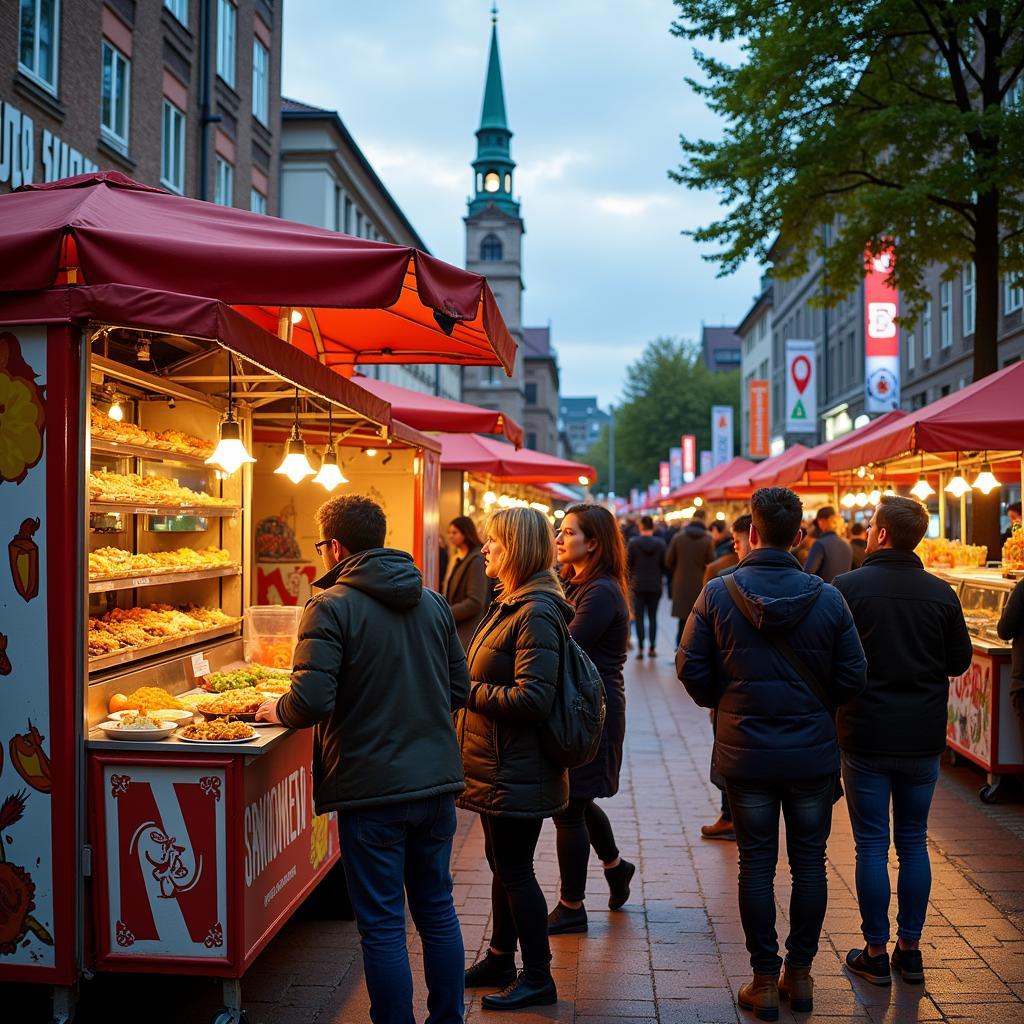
{"x":593,"y":560}
{"x":510,"y":782}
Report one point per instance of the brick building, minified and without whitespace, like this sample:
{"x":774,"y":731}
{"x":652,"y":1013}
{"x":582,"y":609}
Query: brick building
{"x":184,"y":94}
{"x":540,"y":377}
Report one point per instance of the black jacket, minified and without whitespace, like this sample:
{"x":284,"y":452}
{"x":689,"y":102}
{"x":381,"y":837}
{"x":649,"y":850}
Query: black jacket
{"x":465,"y":589}
{"x":913,"y":631}
{"x":769,"y":723}
{"x":688,"y":556}
{"x":646,"y":559}
{"x":514,"y":667}
{"x":1011,"y":627}
{"x":601,"y":627}
{"x":378,"y":670}
{"x":829,"y":556}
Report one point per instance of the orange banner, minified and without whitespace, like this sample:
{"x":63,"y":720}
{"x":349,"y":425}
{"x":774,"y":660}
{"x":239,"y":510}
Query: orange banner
{"x":757,"y":404}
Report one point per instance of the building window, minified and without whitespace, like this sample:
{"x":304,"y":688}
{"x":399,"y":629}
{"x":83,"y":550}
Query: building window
{"x":224,"y":184}
{"x":260,"y":82}
{"x":911,"y":352}
{"x":227,"y":18}
{"x":531,"y":394}
{"x":926,"y":331}
{"x":114,"y":93}
{"x":39,"y":41}
{"x":257,"y":201}
{"x":1013,"y":296}
{"x":491,"y":249}
{"x":172,"y":149}
{"x":179,"y":8}
{"x":968,"y":279}
{"x":508,"y":182}
{"x":531,"y":440}
{"x":945,"y":314}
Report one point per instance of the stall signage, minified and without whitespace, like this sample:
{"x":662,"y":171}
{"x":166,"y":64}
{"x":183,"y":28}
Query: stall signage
{"x":705,"y":462}
{"x":689,"y":457}
{"x":881,"y":335}
{"x":18,"y":151}
{"x":969,"y":712}
{"x":675,"y":465}
{"x":801,"y":386}
{"x":200,"y":665}
{"x":664,"y":477}
{"x":757,"y":406}
{"x":721,"y":434}
{"x":634,"y":497}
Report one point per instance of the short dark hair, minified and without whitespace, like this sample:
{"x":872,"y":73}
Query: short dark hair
{"x":905,"y":520}
{"x":857,"y":529}
{"x":826,"y":512}
{"x":1014,"y":506}
{"x":741,"y":524}
{"x":699,"y":513}
{"x":356,"y":522}
{"x":646,"y":523}
{"x":777,"y":513}
{"x":718,"y":525}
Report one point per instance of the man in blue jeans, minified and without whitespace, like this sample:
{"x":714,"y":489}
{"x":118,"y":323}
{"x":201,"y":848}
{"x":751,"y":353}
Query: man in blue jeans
{"x":378,"y":671}
{"x":913,"y":631}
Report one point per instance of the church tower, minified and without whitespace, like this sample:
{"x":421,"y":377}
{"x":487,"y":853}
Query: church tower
{"x":494,"y":239}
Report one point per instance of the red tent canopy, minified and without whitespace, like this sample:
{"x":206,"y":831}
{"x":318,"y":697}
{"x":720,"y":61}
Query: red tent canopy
{"x":731,"y":485}
{"x":984,"y":415}
{"x":429,"y":412}
{"x":765,"y":472}
{"x":697,"y":487}
{"x":476,"y":454}
{"x":360,"y":301}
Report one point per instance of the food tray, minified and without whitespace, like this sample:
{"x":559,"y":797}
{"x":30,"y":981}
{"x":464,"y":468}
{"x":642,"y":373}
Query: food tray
{"x":136,"y":509}
{"x":157,"y":577}
{"x":130,"y":654}
{"x":139,"y":451}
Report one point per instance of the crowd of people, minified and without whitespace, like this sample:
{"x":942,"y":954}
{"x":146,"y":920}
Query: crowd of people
{"x":819,"y":677}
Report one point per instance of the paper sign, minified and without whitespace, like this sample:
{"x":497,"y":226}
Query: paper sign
{"x":200,"y":666}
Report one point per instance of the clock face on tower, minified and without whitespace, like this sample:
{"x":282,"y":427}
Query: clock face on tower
{"x":492,"y":181}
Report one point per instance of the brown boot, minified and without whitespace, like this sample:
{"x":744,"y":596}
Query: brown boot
{"x":797,"y":986}
{"x":722,"y":829}
{"x":761,"y":996}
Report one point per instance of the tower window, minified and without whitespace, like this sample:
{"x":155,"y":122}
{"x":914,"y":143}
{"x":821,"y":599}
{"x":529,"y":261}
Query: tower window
{"x":508,"y":182}
{"x":490,"y":249}
{"x":479,"y":183}
{"x":492,"y":181}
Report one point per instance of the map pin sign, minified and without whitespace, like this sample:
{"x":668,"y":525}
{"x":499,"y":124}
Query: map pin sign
{"x":801,"y":371}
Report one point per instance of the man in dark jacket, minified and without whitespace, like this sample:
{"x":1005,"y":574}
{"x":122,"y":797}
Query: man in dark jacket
{"x":775,"y":739}
{"x":913,"y":630}
{"x":858,"y":545}
{"x":688,"y":556}
{"x":830,"y":554}
{"x":721,"y":538}
{"x":1011,"y":629}
{"x":378,"y":672}
{"x":646,"y":558}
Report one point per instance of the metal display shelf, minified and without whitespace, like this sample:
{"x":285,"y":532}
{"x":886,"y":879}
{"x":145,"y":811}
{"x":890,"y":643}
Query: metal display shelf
{"x":137,"y":509}
{"x":139,"y":451}
{"x":130,"y":654}
{"x":101,"y":584}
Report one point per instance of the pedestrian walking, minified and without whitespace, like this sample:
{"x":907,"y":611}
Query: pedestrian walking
{"x":721,"y":537}
{"x":1011,"y":629}
{"x":510,"y":781}
{"x":465,"y":584}
{"x":378,"y":672}
{"x":739,"y":539}
{"x":830,"y":554}
{"x":593,"y":561}
{"x":858,"y":545}
{"x":646,"y":561}
{"x":915,"y":638}
{"x":688,"y":556}
{"x":775,"y":650}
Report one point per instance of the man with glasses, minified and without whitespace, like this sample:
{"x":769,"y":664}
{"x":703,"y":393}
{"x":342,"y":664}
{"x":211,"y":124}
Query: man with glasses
{"x":378,"y":671}
{"x":891,"y":735}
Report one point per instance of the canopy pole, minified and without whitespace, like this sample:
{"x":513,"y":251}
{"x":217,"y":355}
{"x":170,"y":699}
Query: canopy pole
{"x":942,"y":504}
{"x":963,"y":517}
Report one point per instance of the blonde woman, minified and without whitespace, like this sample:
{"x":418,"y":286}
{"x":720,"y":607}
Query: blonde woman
{"x":510,"y":782}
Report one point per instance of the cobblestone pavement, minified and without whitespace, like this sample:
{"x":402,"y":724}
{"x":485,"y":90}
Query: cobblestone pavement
{"x":675,"y":954}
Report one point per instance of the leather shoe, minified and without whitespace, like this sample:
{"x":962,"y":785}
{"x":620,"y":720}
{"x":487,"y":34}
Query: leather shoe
{"x":761,"y":996}
{"x":565,"y":920}
{"x":722,"y":829}
{"x":797,"y":985}
{"x":524,"y":991}
{"x":491,"y":971}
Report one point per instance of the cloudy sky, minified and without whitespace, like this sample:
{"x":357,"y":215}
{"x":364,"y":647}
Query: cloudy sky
{"x":596,"y":97}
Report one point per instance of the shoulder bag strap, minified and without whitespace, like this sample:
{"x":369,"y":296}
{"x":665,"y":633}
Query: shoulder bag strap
{"x":780,"y":644}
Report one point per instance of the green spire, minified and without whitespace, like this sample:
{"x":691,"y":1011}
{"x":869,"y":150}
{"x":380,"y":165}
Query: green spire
{"x":493,"y":113}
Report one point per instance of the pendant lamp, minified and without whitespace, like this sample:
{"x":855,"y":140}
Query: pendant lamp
{"x":230,"y":453}
{"x":295,"y":465}
{"x":922,"y":489}
{"x":958,"y":486}
{"x":985,"y":481}
{"x":330,"y":475}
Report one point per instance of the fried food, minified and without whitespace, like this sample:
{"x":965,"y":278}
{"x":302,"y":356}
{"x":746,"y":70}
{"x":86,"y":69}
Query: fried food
{"x":234,"y":702}
{"x":146,"y":698}
{"x":218,"y":729}
{"x":158,"y":490}
{"x":122,"y":628}
{"x":110,"y":561}
{"x":104,"y":427}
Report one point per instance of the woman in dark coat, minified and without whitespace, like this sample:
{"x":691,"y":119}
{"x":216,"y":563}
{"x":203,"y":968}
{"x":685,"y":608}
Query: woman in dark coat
{"x":465,"y":583}
{"x":593,"y":560}
{"x":510,"y":782}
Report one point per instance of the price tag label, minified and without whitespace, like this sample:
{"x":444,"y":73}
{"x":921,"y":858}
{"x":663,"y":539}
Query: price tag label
{"x":200,"y":666}
{"x":141,"y":581}
{"x":146,"y":511}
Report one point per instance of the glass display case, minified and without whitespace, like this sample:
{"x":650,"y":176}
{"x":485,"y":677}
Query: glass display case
{"x":983,"y":594}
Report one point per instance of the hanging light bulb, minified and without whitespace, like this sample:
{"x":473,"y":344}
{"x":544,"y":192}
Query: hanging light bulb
{"x":958,"y":486}
{"x":922,"y":489}
{"x":296,"y":317}
{"x":985,"y":481}
{"x":861,"y":499}
{"x":115,"y":412}
{"x":874,"y":497}
{"x":230,"y":453}
{"x":370,"y":451}
{"x":330,"y":475}
{"x":848,"y":500}
{"x":583,"y":480}
{"x":295,"y":465}
{"x":697,"y":502}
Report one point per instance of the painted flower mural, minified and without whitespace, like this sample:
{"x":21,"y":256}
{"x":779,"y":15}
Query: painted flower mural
{"x":17,"y":890}
{"x":22,"y":416}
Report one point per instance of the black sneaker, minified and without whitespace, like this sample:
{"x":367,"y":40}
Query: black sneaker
{"x":908,"y":965}
{"x":526,"y":990}
{"x":492,"y":971}
{"x":565,"y":920}
{"x":872,"y":968}
{"x":618,"y":879}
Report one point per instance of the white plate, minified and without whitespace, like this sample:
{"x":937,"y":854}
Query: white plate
{"x":116,"y":733}
{"x":164,"y":715}
{"x":189,"y":739}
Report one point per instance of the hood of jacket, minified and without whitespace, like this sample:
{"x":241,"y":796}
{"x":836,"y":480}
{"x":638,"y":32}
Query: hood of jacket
{"x":385,"y":574}
{"x":695,"y":528}
{"x":780,"y":593}
{"x":542,"y":583}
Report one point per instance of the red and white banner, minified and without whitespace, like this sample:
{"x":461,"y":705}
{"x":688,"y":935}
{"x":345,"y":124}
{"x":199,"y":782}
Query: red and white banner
{"x":881,"y":335}
{"x":665,"y":477}
{"x":689,"y":443}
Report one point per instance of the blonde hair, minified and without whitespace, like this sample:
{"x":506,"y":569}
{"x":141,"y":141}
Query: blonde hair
{"x":529,"y":544}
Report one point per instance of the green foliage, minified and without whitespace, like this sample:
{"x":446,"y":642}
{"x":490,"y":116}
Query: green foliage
{"x":668,"y":392}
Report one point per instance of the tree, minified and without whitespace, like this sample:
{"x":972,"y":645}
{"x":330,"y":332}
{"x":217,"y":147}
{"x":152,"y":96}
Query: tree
{"x":668,"y":392}
{"x":889,"y":120}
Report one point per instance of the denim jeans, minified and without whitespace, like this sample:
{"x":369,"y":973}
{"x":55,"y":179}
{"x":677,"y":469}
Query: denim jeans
{"x":399,"y":850}
{"x":645,"y":608}
{"x":872,"y":782}
{"x":806,"y":806}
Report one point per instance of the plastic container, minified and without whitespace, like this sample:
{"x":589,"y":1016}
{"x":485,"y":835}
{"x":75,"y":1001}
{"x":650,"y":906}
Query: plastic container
{"x":269,"y":634}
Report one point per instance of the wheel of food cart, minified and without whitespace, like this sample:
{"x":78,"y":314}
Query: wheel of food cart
{"x":988,"y":793}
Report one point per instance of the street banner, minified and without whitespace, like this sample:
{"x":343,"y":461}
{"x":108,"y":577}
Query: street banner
{"x":757,"y":406}
{"x":689,"y":457}
{"x":675,"y":468}
{"x":801,"y":387}
{"x":634,"y":497}
{"x":653,"y":491}
{"x":705,"y":462}
{"x":881,"y":335}
{"x":664,"y":478}
{"x":721,"y":434}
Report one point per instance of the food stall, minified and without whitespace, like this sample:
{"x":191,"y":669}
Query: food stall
{"x":968,"y":441}
{"x":680,"y":503}
{"x":178,"y":837}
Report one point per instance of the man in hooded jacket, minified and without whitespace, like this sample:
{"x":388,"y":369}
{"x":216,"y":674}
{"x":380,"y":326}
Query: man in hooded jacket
{"x":775,"y":739}
{"x":379,"y":671}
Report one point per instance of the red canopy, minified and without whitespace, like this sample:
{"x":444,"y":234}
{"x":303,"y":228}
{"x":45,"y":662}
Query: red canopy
{"x":697,"y":487}
{"x":429,"y":412}
{"x":731,"y":485}
{"x":361,"y":301}
{"x":984,"y":415}
{"x":476,"y":454}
